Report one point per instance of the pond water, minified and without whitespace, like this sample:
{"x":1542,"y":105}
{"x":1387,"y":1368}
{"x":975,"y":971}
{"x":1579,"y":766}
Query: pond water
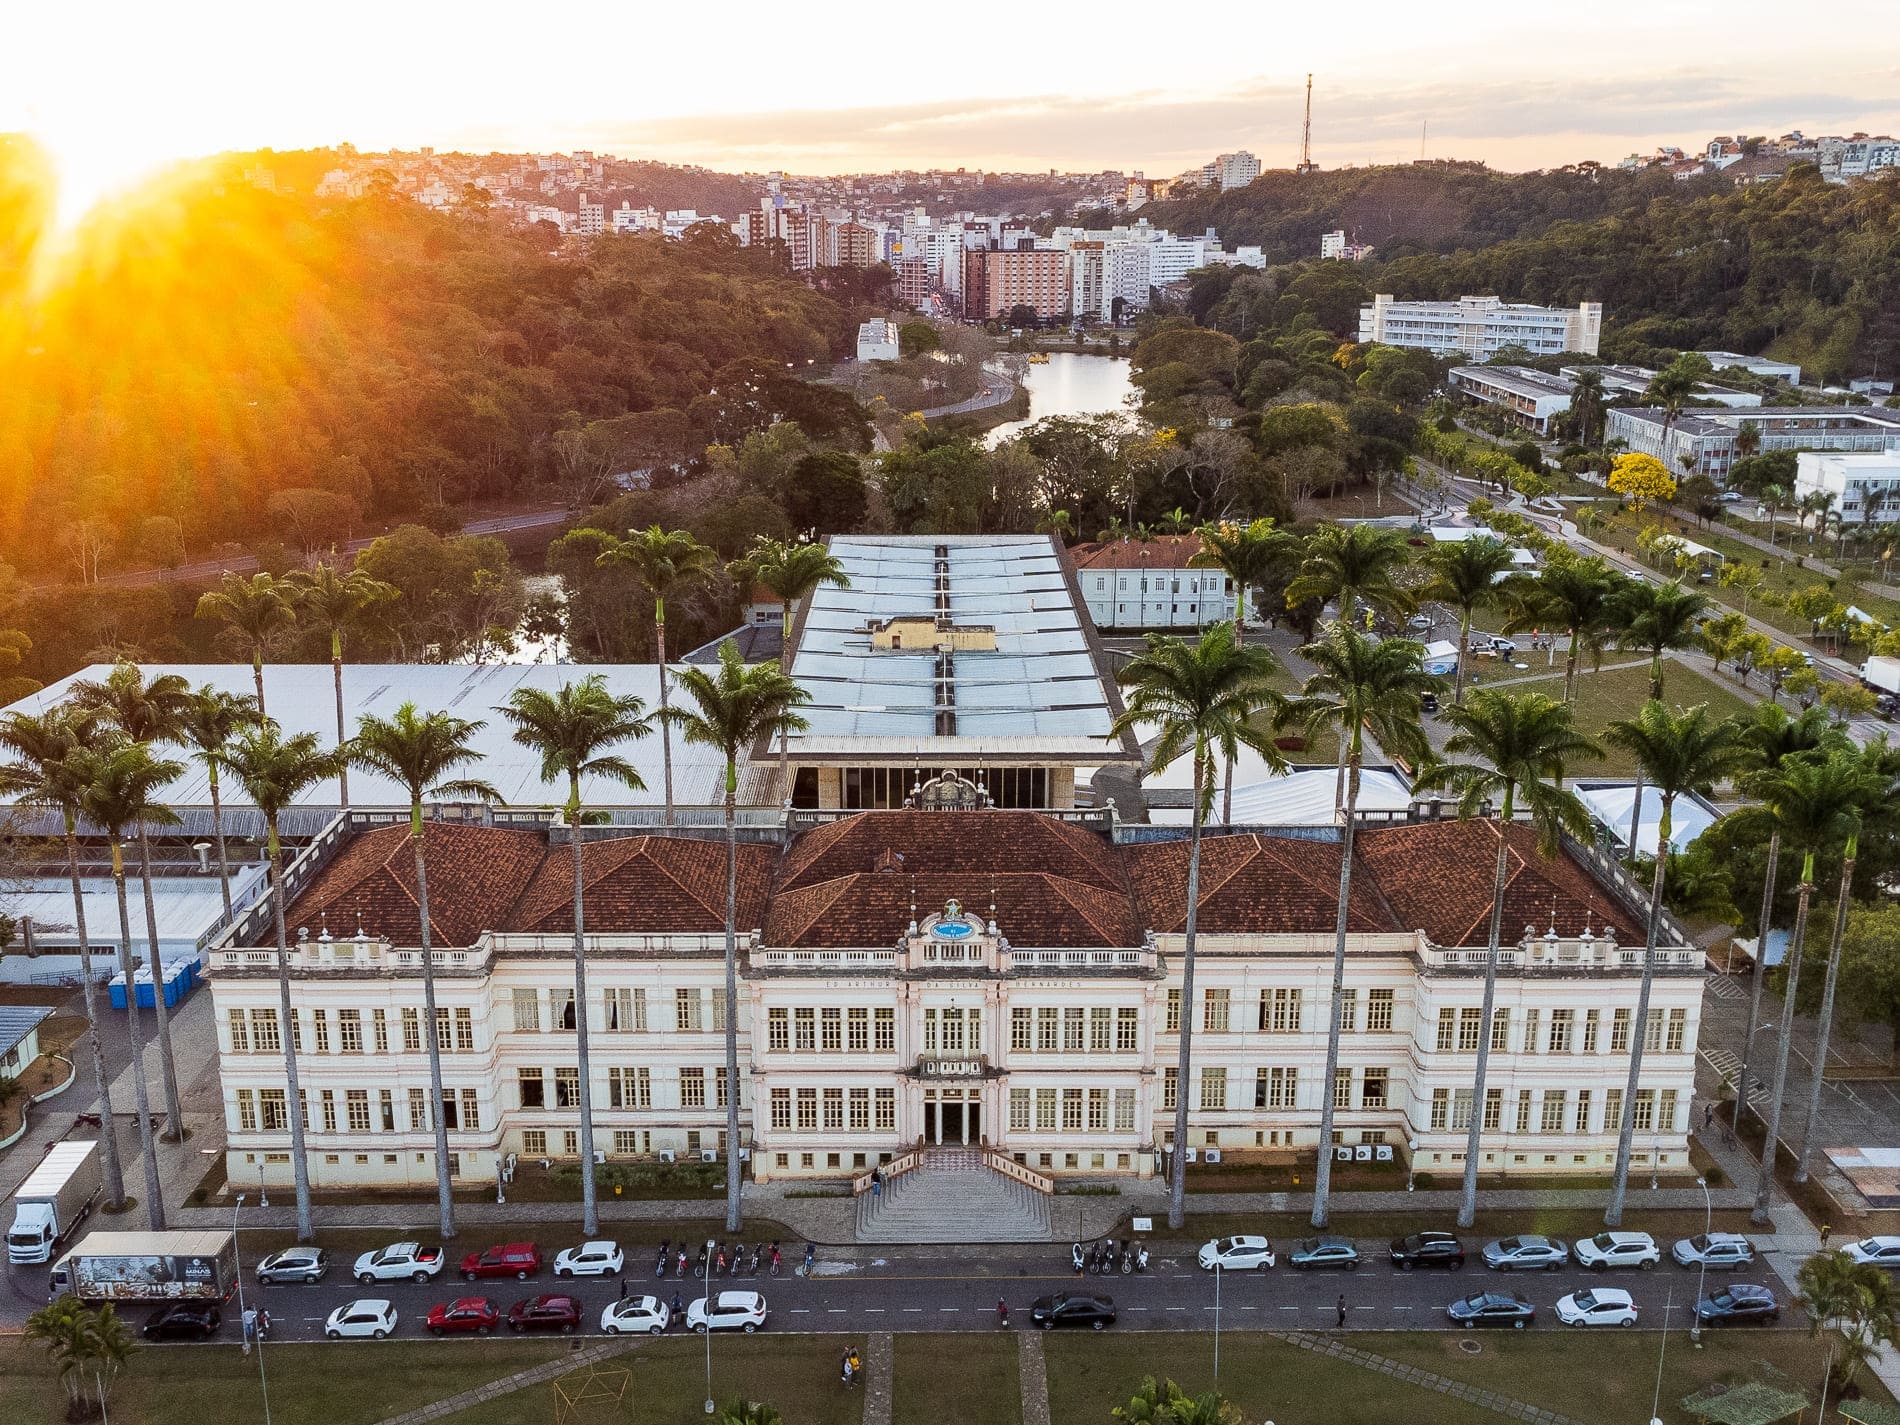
{"x":1070,"y":384}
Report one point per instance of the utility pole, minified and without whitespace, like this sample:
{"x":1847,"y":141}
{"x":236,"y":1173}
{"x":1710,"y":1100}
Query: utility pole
{"x":1306,"y":133}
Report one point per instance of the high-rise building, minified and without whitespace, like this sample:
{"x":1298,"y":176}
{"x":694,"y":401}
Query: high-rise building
{"x":593,"y":218}
{"x":1480,"y":327}
{"x":1230,"y":170}
{"x":996,"y":281}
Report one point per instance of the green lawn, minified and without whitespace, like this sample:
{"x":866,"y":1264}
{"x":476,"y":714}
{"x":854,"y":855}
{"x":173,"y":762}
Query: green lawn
{"x":976,"y":1372}
{"x":1616,"y":693}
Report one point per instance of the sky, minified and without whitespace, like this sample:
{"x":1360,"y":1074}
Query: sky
{"x":115,"y":88}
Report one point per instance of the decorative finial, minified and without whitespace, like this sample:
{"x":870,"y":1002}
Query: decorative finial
{"x":324,"y":920}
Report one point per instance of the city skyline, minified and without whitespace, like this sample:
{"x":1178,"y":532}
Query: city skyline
{"x":212,"y":77}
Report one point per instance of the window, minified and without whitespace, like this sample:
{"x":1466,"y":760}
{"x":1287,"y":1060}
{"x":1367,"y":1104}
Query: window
{"x":533,"y":1090}
{"x":1021,"y":1028}
{"x":1447,"y":1027}
{"x":1613,"y":1110}
{"x":834,"y":1109}
{"x":1493,"y":1110}
{"x":1378,"y":1011}
{"x":1678,"y":1029}
{"x":686,"y":1015}
{"x":444,"y":1035}
{"x":1214,"y":1010}
{"x":1531,"y":1028}
{"x":778,"y":1030}
{"x":1560,"y":1022}
{"x":1372,"y":1093}
{"x":567,"y":1086}
{"x":1047,"y":1020}
{"x":627,"y":1141}
{"x":808,"y":1109}
{"x":857,"y":1030}
{"x":884,"y":1030}
{"x":1101,"y":1022}
{"x":1127,"y":1030}
{"x":1500,"y":1030}
{"x":1275,"y":1088}
{"x":527,"y":1011}
{"x":356,"y":1110}
{"x":1072,"y":1110}
{"x":884,"y":1109}
{"x":692,"y":1088}
{"x":247,"y":1110}
{"x":1441,"y":1107}
{"x":379,"y":1021}
{"x":1469,"y":1023}
{"x":1349,"y":1011}
{"x":411,"y":1030}
{"x":327,"y":1101}
{"x":386,"y":1109}
{"x":349,"y":1030}
{"x":1620,"y":1032}
{"x":1592,"y":1021}
{"x":1098,"y":1110}
{"x":1072,"y":1031}
{"x":1523,"y":1110}
{"x":1213,"y":1087}
{"x":1666,"y":1110}
{"x":1653,"y":1032}
{"x":418,"y":1111}
{"x":1019,"y":1110}
{"x":1342,"y":1088}
{"x":860,"y":1110}
{"x":264,"y":1035}
{"x":1124,"y":1110}
{"x":534,"y":1142}
{"x":1174,"y":1012}
{"x":1170,"y":1087}
{"x":270,"y":1110}
{"x":465,"y":1030}
{"x":1046,"y":1110}
{"x":629,"y":1088}
{"x":830,"y":1030}
{"x":626,"y":1010}
{"x":320,"y":1022}
{"x":804,"y":1029}
{"x":1583,"y":1111}
{"x":1280,"y":1011}
{"x":717,"y":997}
{"x":1460,"y":1110}
{"x":1555,"y":1101}
{"x":782,"y":1108}
{"x":240,"y":1032}
{"x":1645,"y":1110}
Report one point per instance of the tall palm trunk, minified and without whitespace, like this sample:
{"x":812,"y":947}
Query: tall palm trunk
{"x":1240,"y":641}
{"x":1827,"y":1012}
{"x":167,"y":1070}
{"x":1468,"y":1199}
{"x":431,"y":1034}
{"x":1464,"y":652}
{"x":217,"y":835}
{"x":257,"y":675}
{"x":1323,"y":1176}
{"x":1183,"y":1086}
{"x":108,"y":1138}
{"x":1765,"y":1184}
{"x":293,"y":1091}
{"x":1761,"y":973}
{"x":342,"y":736}
{"x":666,"y":725}
{"x":154,"y":1202}
{"x":590,"y":1220}
{"x":785,"y":733}
{"x":1636,"y":821}
{"x":1570,"y":666}
{"x":732,"y":995}
{"x":1639,"y":1030}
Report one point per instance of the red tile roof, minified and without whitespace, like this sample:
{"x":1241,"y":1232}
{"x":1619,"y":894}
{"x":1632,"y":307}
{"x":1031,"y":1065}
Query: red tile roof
{"x":1252,"y":884}
{"x":658,"y":883}
{"x":1164,"y":551}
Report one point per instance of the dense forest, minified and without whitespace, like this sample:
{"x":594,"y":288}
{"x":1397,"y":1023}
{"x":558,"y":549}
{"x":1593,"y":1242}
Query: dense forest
{"x":1801,"y":269}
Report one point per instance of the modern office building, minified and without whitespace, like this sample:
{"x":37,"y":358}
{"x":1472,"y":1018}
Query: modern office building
{"x":1525,"y":396}
{"x":1707,"y":436}
{"x":1865,"y":487}
{"x":1479,"y":327}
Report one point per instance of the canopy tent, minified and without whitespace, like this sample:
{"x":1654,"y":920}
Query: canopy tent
{"x":1304,"y":797}
{"x":1441,"y":658}
{"x":1751,"y":1403}
{"x":1869,"y":1412}
{"x":1610,"y":804}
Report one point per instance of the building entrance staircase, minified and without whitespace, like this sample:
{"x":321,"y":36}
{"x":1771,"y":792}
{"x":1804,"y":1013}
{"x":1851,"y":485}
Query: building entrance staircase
{"x":955,"y":1195}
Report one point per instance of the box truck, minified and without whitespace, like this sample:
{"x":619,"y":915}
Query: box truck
{"x":149,"y":1266}
{"x":1881,"y":674}
{"x":52,"y":1202}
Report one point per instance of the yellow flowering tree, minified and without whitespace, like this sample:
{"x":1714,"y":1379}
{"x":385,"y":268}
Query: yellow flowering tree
{"x":1641,"y":478}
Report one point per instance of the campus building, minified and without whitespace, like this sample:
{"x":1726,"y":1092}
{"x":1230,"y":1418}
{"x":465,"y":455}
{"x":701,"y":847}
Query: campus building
{"x":1477,"y":328}
{"x":947,"y":974}
{"x":1706,"y":438}
{"x":1147,"y":583}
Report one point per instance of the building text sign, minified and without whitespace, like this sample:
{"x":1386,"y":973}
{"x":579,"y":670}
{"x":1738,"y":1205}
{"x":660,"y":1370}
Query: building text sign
{"x":951,"y":1068}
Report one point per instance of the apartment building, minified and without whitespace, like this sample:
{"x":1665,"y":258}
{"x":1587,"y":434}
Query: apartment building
{"x":1142,"y":584}
{"x":1010,"y":979}
{"x":996,"y":281}
{"x":592,"y":221}
{"x":1479,"y":327}
{"x":1706,"y":437}
{"x":1865,"y":487}
{"x":1230,"y":170}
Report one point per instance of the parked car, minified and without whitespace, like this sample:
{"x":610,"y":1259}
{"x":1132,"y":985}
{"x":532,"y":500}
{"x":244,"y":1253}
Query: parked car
{"x":636,"y":1313}
{"x":1427,"y":1249}
{"x":1722,"y":1251}
{"x":1421,"y":623}
{"x":1738,"y":1304}
{"x":1237,"y":1254}
{"x":1428,"y":702}
{"x":519,"y":1260}
{"x":1526,"y":1253}
{"x":365,"y":1317}
{"x":294,"y":1264}
{"x":590,"y":1259}
{"x":1492,"y":1308}
{"x":467,"y":1314}
{"x":731,"y":1311}
{"x":399,"y":1261}
{"x":183,"y":1321}
{"x":1072,"y":1308}
{"x":1618,"y":1249}
{"x":1874,"y":1251}
{"x":1599,"y":1306}
{"x":547,"y":1312}
{"x":1318,"y":1252}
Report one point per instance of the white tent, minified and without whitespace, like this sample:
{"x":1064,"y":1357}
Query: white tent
{"x":1441,"y":658}
{"x":1304,"y":797}
{"x":1610,"y":804}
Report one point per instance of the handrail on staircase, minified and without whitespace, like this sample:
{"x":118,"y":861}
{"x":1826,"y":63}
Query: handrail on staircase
{"x":897,"y":1166}
{"x":1010,"y":1168}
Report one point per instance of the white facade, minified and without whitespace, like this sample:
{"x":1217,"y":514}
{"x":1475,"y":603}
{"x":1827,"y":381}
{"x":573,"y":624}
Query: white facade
{"x":592,"y":220}
{"x":877,"y":340}
{"x":1756,"y":365}
{"x":1527,"y":397}
{"x":1480,"y":327}
{"x":1131,"y":584}
{"x":1707,"y":437}
{"x":1866,"y":488}
{"x":1230,"y":170}
{"x":629,"y":219}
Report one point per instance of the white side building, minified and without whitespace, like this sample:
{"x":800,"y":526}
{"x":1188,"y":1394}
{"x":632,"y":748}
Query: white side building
{"x":877,"y":340}
{"x":1141,"y":584}
{"x":1480,"y":327}
{"x":1866,"y":488}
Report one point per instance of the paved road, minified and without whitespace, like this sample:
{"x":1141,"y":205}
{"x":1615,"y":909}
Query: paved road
{"x":997,"y":388}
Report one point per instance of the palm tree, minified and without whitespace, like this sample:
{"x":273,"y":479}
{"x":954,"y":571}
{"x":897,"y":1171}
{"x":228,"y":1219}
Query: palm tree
{"x":730,"y":710}
{"x":1677,"y":753}
{"x":274,"y":771}
{"x":1248,"y":554}
{"x":48,"y":774}
{"x":1520,"y":745}
{"x":1671,"y":389}
{"x":1464,"y":574}
{"x":257,"y":610}
{"x":1586,"y":401}
{"x":1200,"y":698}
{"x":1747,"y":439}
{"x":338,"y":604}
{"x":794,"y":572}
{"x":1358,"y":685}
{"x":422,"y":754}
{"x":1575,"y":595}
{"x":146,"y":713}
{"x":573,"y":729}
{"x":1858,"y":1298}
{"x":1813,"y":800}
{"x":740,"y":1411}
{"x":1657,"y":618}
{"x":662,"y":559}
{"x":1770,"y":736}
{"x":82,"y":1341}
{"x":123,"y":781}
{"x":208,"y":721}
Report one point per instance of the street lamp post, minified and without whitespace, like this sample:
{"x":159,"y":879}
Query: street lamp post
{"x":1217,"y":1273}
{"x":1708,"y":1221}
{"x":1662,"y":1347}
{"x":1411,"y":1161}
{"x":706,"y":1325}
{"x":237,"y":1261}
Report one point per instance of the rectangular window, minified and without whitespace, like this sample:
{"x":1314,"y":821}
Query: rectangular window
{"x":1280,"y":1011}
{"x":1072,"y":1110}
{"x":1560,"y":1023}
{"x":686,"y":1015}
{"x":1523,"y":1110}
{"x":444,"y":1035}
{"x":418,"y":1111}
{"x":270,"y":1110}
{"x":1214,"y":1009}
{"x":1645,"y":1110}
{"x":349,"y":1031}
{"x":1098,"y":1110}
{"x":465,"y":1030}
{"x":527,"y":1010}
{"x":1213,"y":1087}
{"x":1047,"y":1031}
{"x":804,"y":1030}
{"x":1531,"y":1028}
{"x":1170,"y":1087}
{"x":692,"y":1088}
{"x":808,"y":1110}
{"x":778,"y":1030}
{"x":533,"y":1090}
{"x":1653,"y":1032}
{"x":830,"y":1030}
{"x":356,"y":1110}
{"x":1500,"y":1030}
{"x":1021,"y":1029}
{"x":626,"y":1142}
{"x":1349,"y":1011}
{"x":264,"y":1033}
{"x":1019,"y":1110}
{"x":380,"y":1020}
{"x":411,"y":1031}
{"x":1678,"y":1030}
{"x":1072,"y":1031}
{"x":1613,"y":1110}
{"x":782,"y":1108}
{"x":884,"y":1109}
{"x":1124,"y":1110}
{"x":1373,"y":1093}
{"x":884,"y":1030}
{"x":1342,"y":1088}
{"x":860,"y":1110}
{"x":1555,"y":1102}
{"x":1174,"y":1012}
{"x":1620,"y":1032}
{"x":1046,"y":1110}
{"x":1127,"y":1030}
{"x":1460,"y":1110}
{"x":240,"y":1031}
{"x":1493,"y":1110}
{"x":1378,"y":1011}
{"x":247,"y":1110}
{"x":567,"y":1086}
{"x":1666,"y":1111}
{"x":1101,"y":1024}
{"x":1583,"y":1111}
{"x":320,"y":1023}
{"x":857,"y":1031}
{"x":931,"y":1037}
{"x":626,"y":1010}
{"x":386,"y":1109}
{"x":534,"y":1142}
{"x":834,"y":1110}
{"x":1469,"y":1023}
{"x":717,"y":998}
{"x":1592,"y":1021}
{"x":1447,"y":1027}
{"x":1441,"y":1108}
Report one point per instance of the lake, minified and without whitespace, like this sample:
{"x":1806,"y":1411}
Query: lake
{"x":1070,"y":384}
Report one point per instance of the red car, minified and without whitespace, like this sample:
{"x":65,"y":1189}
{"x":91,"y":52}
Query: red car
{"x":468,"y":1313}
{"x":545,"y":1313}
{"x":519,"y":1260}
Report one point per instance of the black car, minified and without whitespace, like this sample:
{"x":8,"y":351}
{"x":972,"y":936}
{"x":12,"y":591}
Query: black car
{"x":1492,"y":1308}
{"x":1735,"y":1305}
{"x":183,"y":1321}
{"x":1428,"y":702}
{"x":1072,"y":1308}
{"x":1427,"y":1249}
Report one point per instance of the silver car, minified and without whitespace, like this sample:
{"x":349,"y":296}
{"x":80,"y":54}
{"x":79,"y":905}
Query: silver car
{"x":1526,"y":1253}
{"x":294,"y":1264}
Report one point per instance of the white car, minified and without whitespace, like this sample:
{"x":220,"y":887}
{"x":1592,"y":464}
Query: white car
{"x":731,"y":1311}
{"x":373,"y":1318}
{"x":1618,"y":1249}
{"x":636,"y":1313}
{"x":1599,"y":1306}
{"x":1874,"y":1251}
{"x":1237,"y":1254}
{"x":399,"y":1261}
{"x":590,"y":1259}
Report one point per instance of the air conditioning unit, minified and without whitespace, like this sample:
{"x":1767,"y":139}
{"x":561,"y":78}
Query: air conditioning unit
{"x":1211,"y":1156}
{"x":600,"y":1156}
{"x":707,"y":1155}
{"x":745,"y":1155}
{"x":1363,"y":1153}
{"x":1342,"y":1153}
{"x":667,"y":1155}
{"x":1382,"y":1152}
{"x":1193,"y":1155}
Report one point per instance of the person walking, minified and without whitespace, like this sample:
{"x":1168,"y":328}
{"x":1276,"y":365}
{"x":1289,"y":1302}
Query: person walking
{"x":1826,"y":1232}
{"x":1342,"y":1309}
{"x":877,"y":1184}
{"x":1708,"y":1115}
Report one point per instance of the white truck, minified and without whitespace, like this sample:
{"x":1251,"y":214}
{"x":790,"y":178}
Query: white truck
{"x":1882,"y":675}
{"x":52,"y":1202}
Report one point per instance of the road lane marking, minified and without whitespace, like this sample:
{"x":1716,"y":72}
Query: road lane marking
{"x":873,"y":1311}
{"x":834,"y":1311}
{"x":910,"y":1309}
{"x":949,"y":1308}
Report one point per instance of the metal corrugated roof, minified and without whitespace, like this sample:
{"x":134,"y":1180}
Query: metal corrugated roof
{"x":17,"y":1021}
